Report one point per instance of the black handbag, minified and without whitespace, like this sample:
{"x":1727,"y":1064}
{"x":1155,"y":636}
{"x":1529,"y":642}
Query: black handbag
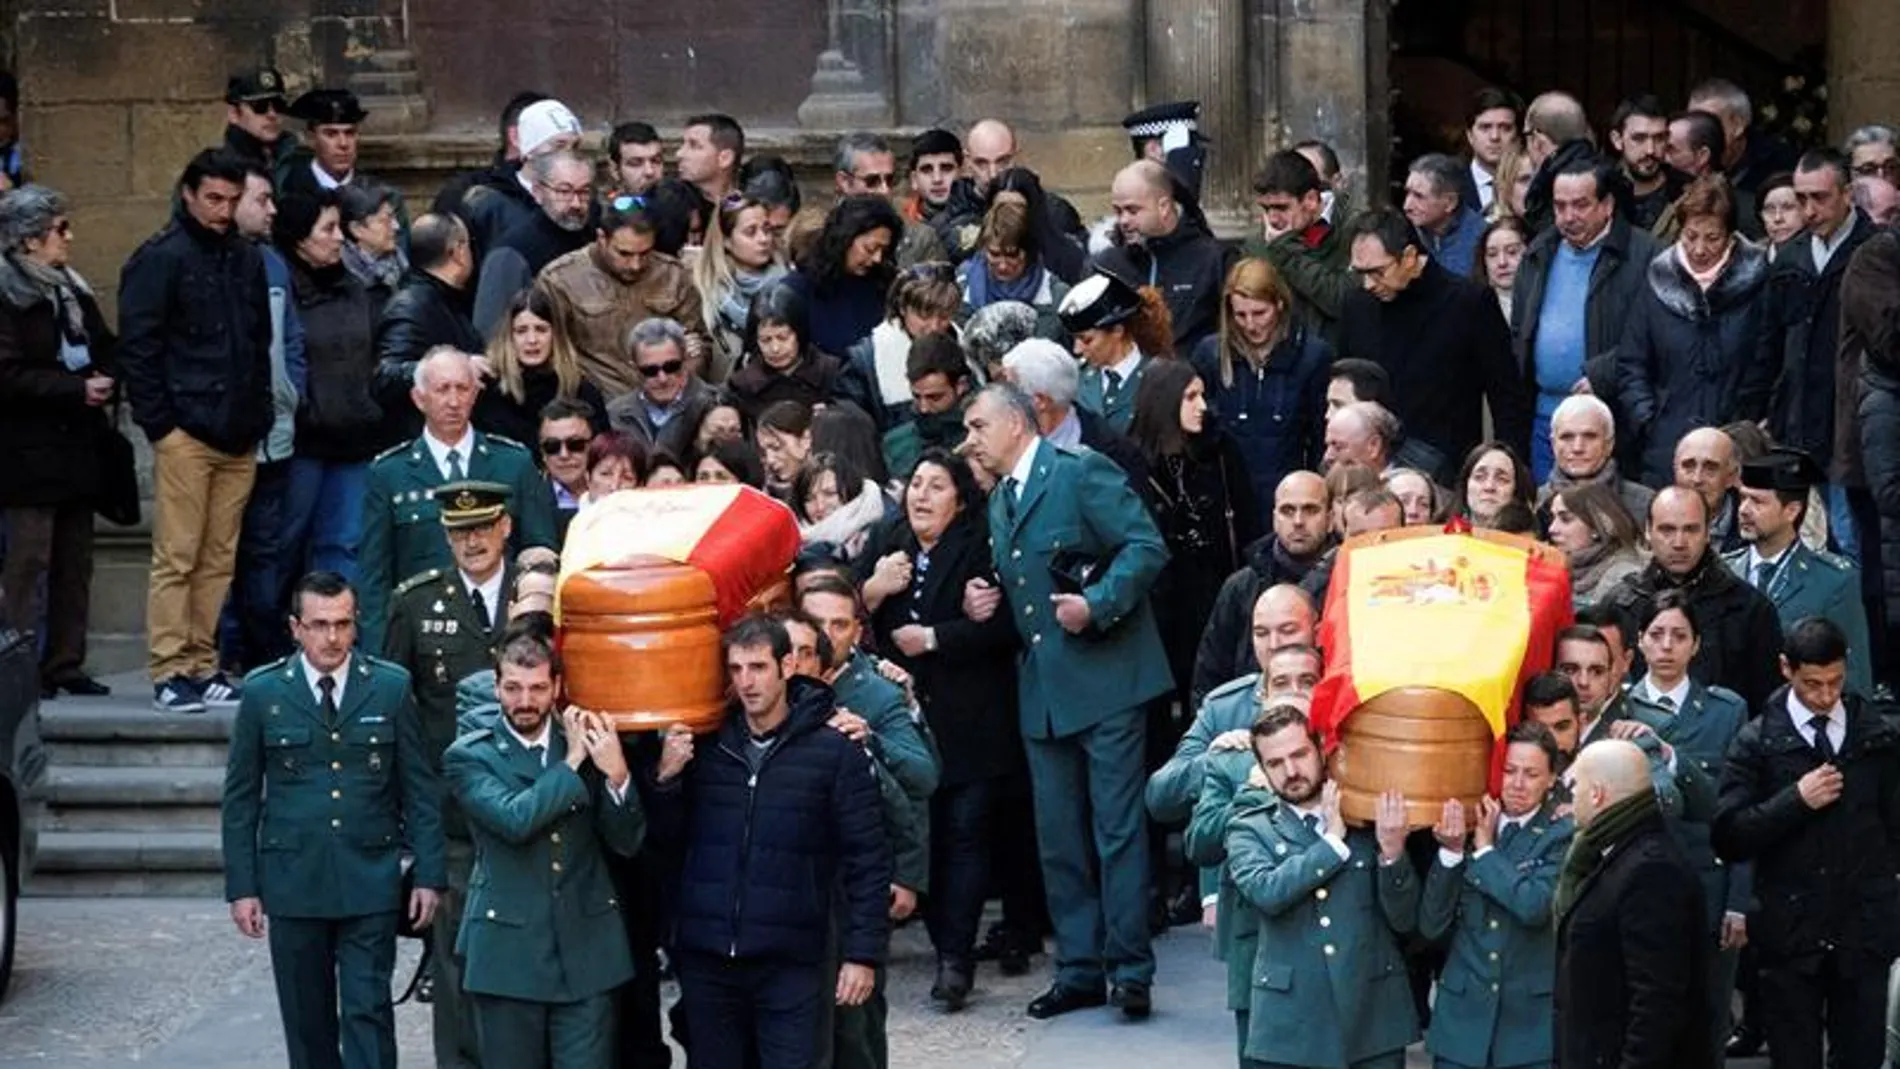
{"x":117,"y":496}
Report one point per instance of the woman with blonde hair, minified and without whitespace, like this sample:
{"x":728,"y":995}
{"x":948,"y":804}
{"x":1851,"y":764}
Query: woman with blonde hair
{"x":531,"y":362}
{"x":739,"y":258}
{"x":1266,"y":376}
{"x":1513,"y":183}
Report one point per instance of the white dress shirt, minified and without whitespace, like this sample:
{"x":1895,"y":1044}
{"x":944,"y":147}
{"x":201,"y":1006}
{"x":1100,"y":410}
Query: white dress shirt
{"x":1125,"y":371}
{"x":1068,"y":433}
{"x":324,"y":181}
{"x":1487,"y":184}
{"x":1319,"y":828}
{"x":1452,"y":859}
{"x":1024,"y":465}
{"x":341,"y":676}
{"x":1678,"y":695}
{"x":490,"y":591}
{"x":1804,"y":718}
{"x":545,"y":738}
{"x":464,"y":451}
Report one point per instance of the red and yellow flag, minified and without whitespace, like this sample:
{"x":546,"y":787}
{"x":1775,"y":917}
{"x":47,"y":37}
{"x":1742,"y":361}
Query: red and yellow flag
{"x":1422,"y":607}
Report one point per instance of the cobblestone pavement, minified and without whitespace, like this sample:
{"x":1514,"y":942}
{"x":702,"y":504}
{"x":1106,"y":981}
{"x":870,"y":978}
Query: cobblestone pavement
{"x":170,"y":985}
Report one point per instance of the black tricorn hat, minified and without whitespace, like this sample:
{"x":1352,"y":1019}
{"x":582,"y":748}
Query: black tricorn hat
{"x":326,"y":107}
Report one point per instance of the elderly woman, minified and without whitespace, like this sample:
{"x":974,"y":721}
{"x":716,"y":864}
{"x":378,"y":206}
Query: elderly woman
{"x":56,"y":375}
{"x":993,"y":331}
{"x":1688,"y":355}
{"x":372,"y":246}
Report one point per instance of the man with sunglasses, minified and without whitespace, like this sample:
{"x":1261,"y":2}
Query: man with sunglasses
{"x":605,"y":287}
{"x":665,"y":411}
{"x":567,"y":426}
{"x":254,"y":115}
{"x":867,"y":167}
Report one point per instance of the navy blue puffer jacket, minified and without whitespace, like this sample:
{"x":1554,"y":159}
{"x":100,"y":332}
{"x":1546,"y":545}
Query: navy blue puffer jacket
{"x":762,"y":853}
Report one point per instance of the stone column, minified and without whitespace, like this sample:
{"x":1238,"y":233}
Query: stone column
{"x":1863,"y":66}
{"x":1318,"y":70}
{"x":1197,"y":50}
{"x":851,"y":88}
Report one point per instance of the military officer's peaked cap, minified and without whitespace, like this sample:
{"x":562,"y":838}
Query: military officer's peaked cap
{"x":471,"y":503}
{"x":1100,"y":300}
{"x":252,"y":86}
{"x":1784,"y":469}
{"x":329,"y":107}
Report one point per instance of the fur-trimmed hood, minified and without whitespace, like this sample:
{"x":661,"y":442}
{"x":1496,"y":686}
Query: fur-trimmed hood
{"x":1741,"y":281}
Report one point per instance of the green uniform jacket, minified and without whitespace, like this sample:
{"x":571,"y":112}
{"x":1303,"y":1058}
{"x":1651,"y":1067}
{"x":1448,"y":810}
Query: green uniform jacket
{"x":1116,"y":407}
{"x":1818,"y":584}
{"x":1330,"y":987}
{"x":906,"y":764}
{"x":1236,"y":927}
{"x":435,"y":634}
{"x":1080,"y":502}
{"x":1494,"y":997}
{"x":402,"y":530}
{"x":543,"y":921}
{"x":1701,"y":732}
{"x":1176,"y":786}
{"x":316,"y":815}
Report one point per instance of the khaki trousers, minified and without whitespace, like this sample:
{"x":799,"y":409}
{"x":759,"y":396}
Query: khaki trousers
{"x":201,"y":493}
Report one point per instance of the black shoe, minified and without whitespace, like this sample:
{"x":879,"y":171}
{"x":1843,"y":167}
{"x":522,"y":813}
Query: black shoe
{"x":425,"y":986}
{"x":1059,"y":1000}
{"x":1745,"y":1043}
{"x":1013,"y":960}
{"x":995,"y":941}
{"x":952,"y":987}
{"x":1132,"y":998}
{"x":1185,"y":907}
{"x":80,"y":686}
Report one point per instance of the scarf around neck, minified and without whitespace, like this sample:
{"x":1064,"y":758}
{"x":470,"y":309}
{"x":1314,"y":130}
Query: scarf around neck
{"x":61,"y":286}
{"x":1705,"y":279}
{"x":386,"y":271}
{"x":736,"y":303}
{"x":1611,"y":828}
{"x":986,"y":290}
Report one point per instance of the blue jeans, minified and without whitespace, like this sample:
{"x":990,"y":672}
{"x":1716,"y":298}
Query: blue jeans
{"x":253,"y":628}
{"x":324,"y":514}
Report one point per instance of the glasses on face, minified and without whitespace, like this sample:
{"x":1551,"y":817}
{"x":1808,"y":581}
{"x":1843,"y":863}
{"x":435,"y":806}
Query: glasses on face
{"x":877,"y":181}
{"x":671,"y":367}
{"x":568,"y":192}
{"x":553,"y":447}
{"x":272,"y":106}
{"x":1889,"y":169}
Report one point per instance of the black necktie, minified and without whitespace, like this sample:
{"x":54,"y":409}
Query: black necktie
{"x":1114,"y":383}
{"x":1506,"y":833}
{"x":1763,"y":573}
{"x":1667,"y":702}
{"x":1312,"y":822}
{"x":454,"y":457}
{"x":1009,"y":497}
{"x":1822,"y":744}
{"x":481,"y":607}
{"x":327,"y":686}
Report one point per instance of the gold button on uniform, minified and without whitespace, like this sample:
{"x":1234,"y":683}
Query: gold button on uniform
{"x":1325,"y":922}
{"x":1494,"y":923}
{"x":557,"y":868}
{"x":336,"y":822}
{"x":336,"y":736}
{"x":491,"y":914}
{"x":336,"y":766}
{"x":1328,"y":948}
{"x":336,"y":794}
{"x":1320,"y":894}
{"x":556,"y":837}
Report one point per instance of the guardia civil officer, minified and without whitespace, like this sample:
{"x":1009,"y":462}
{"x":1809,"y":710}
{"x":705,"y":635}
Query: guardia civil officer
{"x":326,"y":781}
{"x":543,"y":938}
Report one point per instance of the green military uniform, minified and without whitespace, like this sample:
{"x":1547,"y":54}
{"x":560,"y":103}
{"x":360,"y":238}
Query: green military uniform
{"x":401,"y":537}
{"x":907,"y":776}
{"x":1329,"y":984}
{"x":319,"y":803}
{"x":1114,"y":401}
{"x":1700,"y":732}
{"x":1494,"y":1003}
{"x":1080,"y":698}
{"x":543,"y":937}
{"x":1808,"y":583}
{"x":1176,"y":786}
{"x":436,"y":632}
{"x":1236,"y":931}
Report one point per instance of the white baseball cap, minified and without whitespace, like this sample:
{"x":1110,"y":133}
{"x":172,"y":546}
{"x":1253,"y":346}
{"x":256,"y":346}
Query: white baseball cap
{"x":542,"y":122}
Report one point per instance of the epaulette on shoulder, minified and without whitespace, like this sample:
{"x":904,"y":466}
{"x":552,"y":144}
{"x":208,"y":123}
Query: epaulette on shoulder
{"x":392,"y":451}
{"x":1725,"y":694}
{"x":266,"y":669}
{"x":1234,"y":686}
{"x":1834,"y":560}
{"x":503,"y":440}
{"x":419,"y":579}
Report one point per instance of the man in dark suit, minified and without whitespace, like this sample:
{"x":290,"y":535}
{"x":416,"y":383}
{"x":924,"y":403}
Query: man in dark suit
{"x":325,"y":783}
{"x":1809,"y":795}
{"x":1076,"y":553}
{"x":1632,"y":951}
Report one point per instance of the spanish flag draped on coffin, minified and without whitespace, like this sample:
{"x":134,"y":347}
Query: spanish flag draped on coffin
{"x":1429,"y":635}
{"x":649,"y":580}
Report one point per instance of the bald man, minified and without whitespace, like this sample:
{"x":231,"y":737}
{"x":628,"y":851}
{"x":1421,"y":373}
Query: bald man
{"x":1632,"y":953}
{"x":990,"y":148}
{"x":1300,"y":538}
{"x":1705,"y":462}
{"x":1185,"y":262}
{"x":1556,"y":132}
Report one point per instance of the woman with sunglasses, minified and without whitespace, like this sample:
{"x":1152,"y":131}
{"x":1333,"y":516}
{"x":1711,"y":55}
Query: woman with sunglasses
{"x":740,"y":257}
{"x":533,"y":364}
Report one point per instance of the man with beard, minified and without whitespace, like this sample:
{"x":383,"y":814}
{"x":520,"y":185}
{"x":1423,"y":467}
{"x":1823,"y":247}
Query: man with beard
{"x":563,"y":186}
{"x":1157,"y":210}
{"x":1301,"y":510}
{"x":601,"y":290}
{"x":1741,"y":631}
{"x":1490,"y":899}
{"x":1632,"y":959}
{"x":939,"y":379}
{"x":543,"y":956}
{"x":1639,"y":132}
{"x":1329,"y":905}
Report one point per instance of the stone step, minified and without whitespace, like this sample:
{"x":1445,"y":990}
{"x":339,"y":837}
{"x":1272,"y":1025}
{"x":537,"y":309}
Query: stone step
{"x":371,"y":84}
{"x":133,"y":820}
{"x":126,"y":885}
{"x":120,"y":731}
{"x":390,"y":59}
{"x":115,"y":851}
{"x":131,"y":787}
{"x":121,"y":574}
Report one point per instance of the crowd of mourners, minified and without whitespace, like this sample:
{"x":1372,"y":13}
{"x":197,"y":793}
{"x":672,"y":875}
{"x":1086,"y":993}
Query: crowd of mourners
{"x":1070,"y":495}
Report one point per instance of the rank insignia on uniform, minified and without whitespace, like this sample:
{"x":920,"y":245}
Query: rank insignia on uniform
{"x":437,"y":607}
{"x":441,"y":672}
{"x":450,"y":627}
{"x":375,"y":762}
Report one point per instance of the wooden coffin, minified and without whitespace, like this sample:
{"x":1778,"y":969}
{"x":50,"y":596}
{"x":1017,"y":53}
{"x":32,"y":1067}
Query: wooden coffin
{"x":1431,"y":744}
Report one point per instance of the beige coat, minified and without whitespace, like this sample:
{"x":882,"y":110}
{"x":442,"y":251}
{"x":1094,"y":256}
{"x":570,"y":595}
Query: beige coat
{"x":597,"y":310}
